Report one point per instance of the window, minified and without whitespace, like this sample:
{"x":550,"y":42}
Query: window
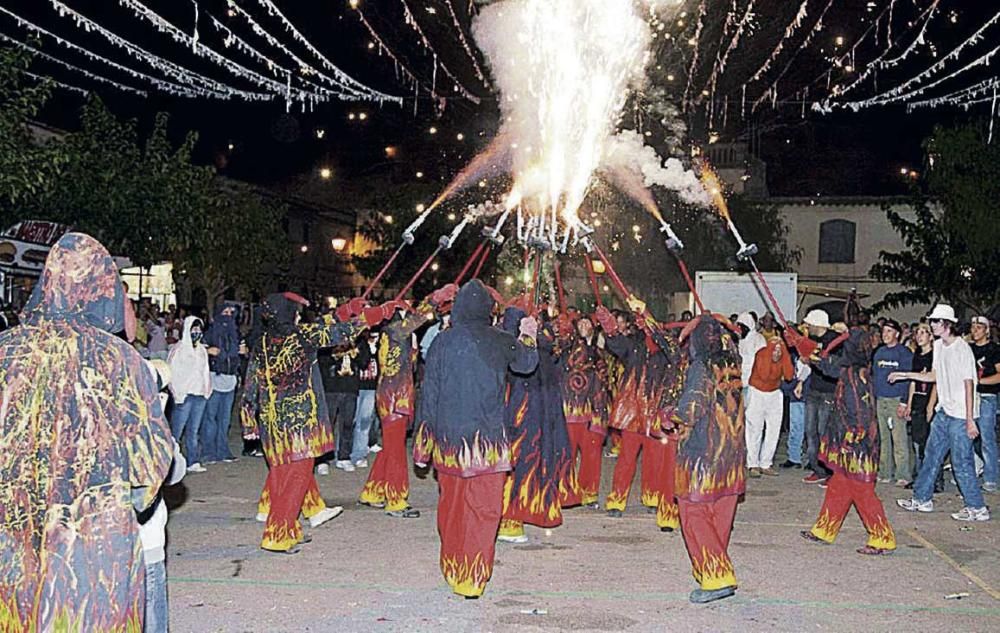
{"x":836,"y":242}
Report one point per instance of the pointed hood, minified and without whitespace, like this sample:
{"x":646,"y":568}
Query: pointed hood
{"x":80,"y":284}
{"x":473,"y":305}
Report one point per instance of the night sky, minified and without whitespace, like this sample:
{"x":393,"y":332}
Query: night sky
{"x":839,"y":154}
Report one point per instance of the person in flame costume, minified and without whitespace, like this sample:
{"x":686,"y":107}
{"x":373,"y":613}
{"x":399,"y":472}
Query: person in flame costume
{"x":285,"y":406}
{"x":635,"y":410}
{"x":585,"y":400}
{"x":85,"y":445}
{"x":542,"y":479}
{"x":388,"y":484}
{"x":711,"y":455}
{"x":460,"y":429}
{"x":850,"y":447}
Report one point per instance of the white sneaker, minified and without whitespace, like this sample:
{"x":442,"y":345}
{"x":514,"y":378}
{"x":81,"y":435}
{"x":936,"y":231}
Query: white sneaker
{"x":523,"y":538}
{"x":989,"y":487}
{"x":375,"y":449}
{"x":972,"y":514}
{"x":361,"y":463}
{"x":324,"y":515}
{"x":912,"y":505}
{"x":323,"y":469}
{"x":344,"y":465}
{"x":261,"y":517}
{"x":196,"y":468}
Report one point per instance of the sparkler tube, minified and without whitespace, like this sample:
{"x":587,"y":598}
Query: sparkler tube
{"x":408,"y":233}
{"x":746,"y":250}
{"x":674,"y":243}
{"x":447,"y":241}
{"x":382,"y":272}
{"x":472,"y":260}
{"x":493,"y":233}
{"x":419,"y":273}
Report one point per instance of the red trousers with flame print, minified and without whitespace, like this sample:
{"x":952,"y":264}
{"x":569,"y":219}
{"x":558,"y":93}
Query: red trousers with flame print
{"x":843,"y":492}
{"x":589,"y":444}
{"x":653,"y":478}
{"x":469,"y":511}
{"x":389,"y":480}
{"x":312,"y":504}
{"x":287,"y":486}
{"x":706,"y":527}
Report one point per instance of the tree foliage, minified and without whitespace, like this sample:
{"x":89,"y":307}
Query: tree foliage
{"x":951,"y":250}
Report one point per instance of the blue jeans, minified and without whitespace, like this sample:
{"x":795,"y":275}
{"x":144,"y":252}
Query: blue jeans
{"x":215,"y":426}
{"x":157,"y":619}
{"x":987,"y":423}
{"x":796,"y":430}
{"x":189,"y":414}
{"x":364,"y":417}
{"x":948,"y":433}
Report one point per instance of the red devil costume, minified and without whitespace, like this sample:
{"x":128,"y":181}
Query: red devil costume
{"x":542,"y":480}
{"x":711,"y":455}
{"x":285,"y":406}
{"x":388,"y":484}
{"x":585,"y":405}
{"x":636,"y":412}
{"x":460,"y":429}
{"x":850,"y":448}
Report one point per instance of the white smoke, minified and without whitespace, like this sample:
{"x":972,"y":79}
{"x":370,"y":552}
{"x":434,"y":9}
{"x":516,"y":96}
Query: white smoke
{"x":627,"y":151}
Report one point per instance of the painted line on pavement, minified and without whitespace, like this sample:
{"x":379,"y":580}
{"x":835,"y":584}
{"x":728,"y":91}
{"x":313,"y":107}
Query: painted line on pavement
{"x":954,"y":563}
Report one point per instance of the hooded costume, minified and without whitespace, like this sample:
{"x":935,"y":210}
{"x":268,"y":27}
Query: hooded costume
{"x":83,"y":435}
{"x":542,"y":480}
{"x":711,"y":454}
{"x":584,"y":382}
{"x":285,"y":406}
{"x":850,"y":447}
{"x":460,"y":429}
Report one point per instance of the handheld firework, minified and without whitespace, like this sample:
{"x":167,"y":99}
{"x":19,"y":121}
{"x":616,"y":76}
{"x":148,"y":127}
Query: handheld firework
{"x":409,"y":238}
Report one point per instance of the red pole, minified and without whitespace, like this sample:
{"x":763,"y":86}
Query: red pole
{"x":486,"y":255}
{"x":593,"y":279}
{"x":559,"y":286}
{"x":416,"y":276}
{"x":615,"y":279}
{"x":468,"y":264}
{"x":687,"y":278}
{"x":382,"y":272}
{"x":536,"y":279}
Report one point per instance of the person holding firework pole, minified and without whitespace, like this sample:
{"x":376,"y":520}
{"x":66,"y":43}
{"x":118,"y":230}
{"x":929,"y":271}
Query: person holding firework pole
{"x":460,"y":430}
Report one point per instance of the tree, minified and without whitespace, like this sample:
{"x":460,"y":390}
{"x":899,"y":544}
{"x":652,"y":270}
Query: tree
{"x":951,"y":252}
{"x":27,"y":166}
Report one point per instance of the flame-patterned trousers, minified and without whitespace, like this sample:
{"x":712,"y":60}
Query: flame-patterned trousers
{"x":389,"y":480}
{"x":841,"y":493}
{"x":706,"y":526}
{"x":312,"y":504}
{"x":287,"y":485}
{"x":656,"y":476}
{"x":469,"y":510}
{"x":588,"y":444}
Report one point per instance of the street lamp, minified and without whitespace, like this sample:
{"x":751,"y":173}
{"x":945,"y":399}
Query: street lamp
{"x":339,"y":244}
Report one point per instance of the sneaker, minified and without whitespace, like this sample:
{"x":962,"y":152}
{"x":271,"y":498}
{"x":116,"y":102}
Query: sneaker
{"x":754,"y":473}
{"x":344,"y":465}
{"x":378,"y":505}
{"x":885,"y":480}
{"x":257,"y":452}
{"x":323,"y":469}
{"x":611,"y":455}
{"x":376,"y":448}
{"x":261,"y":517}
{"x":790,"y":464}
{"x":770,"y":472}
{"x":703,"y":596}
{"x":972,"y":514}
{"x":291,"y":551}
{"x":912,"y":505}
{"x":809,"y":536}
{"x":615,"y":514}
{"x":989,"y":487}
{"x":196,"y":468}
{"x":361,"y":463}
{"x":230,"y":460}
{"x":406,"y":513}
{"x":812,"y":478}
{"x":901,"y":483}
{"x":324,"y":515}
{"x":520,"y":538}
{"x":823,"y":483}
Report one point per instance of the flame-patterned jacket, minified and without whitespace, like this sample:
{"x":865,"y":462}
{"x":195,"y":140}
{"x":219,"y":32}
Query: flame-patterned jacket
{"x":395,"y":393}
{"x":850,"y":444}
{"x":711,"y":455}
{"x":647,"y":371}
{"x":283,"y":402}
{"x":584,"y":383}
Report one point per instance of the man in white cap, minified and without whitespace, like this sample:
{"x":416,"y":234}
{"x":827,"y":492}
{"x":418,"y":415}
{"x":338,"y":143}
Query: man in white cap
{"x":819,"y":400}
{"x":987,"y":354}
{"x":954,"y":425}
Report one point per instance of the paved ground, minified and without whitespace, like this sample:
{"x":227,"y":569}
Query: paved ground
{"x":368,"y":572}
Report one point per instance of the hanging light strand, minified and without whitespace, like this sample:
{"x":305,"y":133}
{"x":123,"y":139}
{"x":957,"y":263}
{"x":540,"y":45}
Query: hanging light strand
{"x":790,"y":30}
{"x":64,"y":86}
{"x":702,"y":8}
{"x":86,"y":73}
{"x":411,"y":20}
{"x":464,"y":41}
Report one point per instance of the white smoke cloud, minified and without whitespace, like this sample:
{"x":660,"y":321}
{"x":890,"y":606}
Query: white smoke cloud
{"x":626,"y":151}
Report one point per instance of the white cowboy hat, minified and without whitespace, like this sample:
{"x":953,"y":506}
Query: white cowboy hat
{"x":817,"y":318}
{"x":943,"y":312}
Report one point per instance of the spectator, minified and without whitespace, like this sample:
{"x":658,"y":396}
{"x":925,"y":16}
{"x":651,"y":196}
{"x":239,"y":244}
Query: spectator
{"x":987,"y":354}
{"x":190,"y":385}
{"x":763,"y":414}
{"x":922,"y":398}
{"x":340,"y":370}
{"x":819,"y":401}
{"x":223,"y":341}
{"x":890,"y":405}
{"x":364,"y":415}
{"x":796,"y":390}
{"x":750,"y":342}
{"x":954,"y":424}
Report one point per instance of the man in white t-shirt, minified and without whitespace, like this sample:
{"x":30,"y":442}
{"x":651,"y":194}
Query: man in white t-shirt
{"x":954,"y":425}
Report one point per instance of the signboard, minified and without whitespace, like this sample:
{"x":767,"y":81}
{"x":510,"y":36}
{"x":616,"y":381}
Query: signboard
{"x":25,"y":246}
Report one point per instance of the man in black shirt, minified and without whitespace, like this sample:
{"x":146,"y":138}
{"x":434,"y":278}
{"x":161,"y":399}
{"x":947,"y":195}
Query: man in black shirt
{"x":987,"y":355}
{"x":819,"y":400}
{"x":341,"y":383}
